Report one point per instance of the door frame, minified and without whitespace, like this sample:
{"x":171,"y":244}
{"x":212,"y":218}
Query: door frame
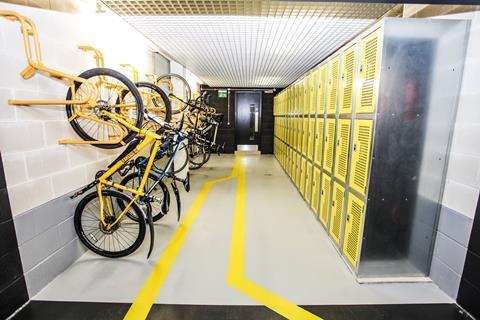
{"x":260,"y":92}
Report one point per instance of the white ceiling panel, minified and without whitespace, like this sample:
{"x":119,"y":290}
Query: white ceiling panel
{"x":262,"y":50}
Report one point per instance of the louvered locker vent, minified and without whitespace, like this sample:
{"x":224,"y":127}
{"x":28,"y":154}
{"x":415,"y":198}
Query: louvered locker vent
{"x":361,"y":155}
{"x":348,"y":67}
{"x":353,"y":226}
{"x":337,"y":212}
{"x":329,"y":145}
{"x":341,"y":160}
{"x":333,"y":85}
{"x":368,"y":72}
{"x":322,"y":90}
{"x":325,"y":199}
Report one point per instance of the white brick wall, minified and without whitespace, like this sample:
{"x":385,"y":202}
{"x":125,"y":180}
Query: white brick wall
{"x":37,"y":168}
{"x":463,"y":175}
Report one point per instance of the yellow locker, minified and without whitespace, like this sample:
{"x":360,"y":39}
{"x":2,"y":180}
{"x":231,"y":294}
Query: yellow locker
{"x":353,"y":226}
{"x":325,"y":198}
{"x":308,"y":182}
{"x":329,"y":145}
{"x":302,"y":97}
{"x":319,"y":141}
{"x":299,"y":134}
{"x":343,"y":145}
{"x":315,"y":189}
{"x":311,"y":138}
{"x":303,"y":170}
{"x":294,"y":133}
{"x":322,"y":90}
{"x":362,"y":139}
{"x":305,"y":136}
{"x":308,"y":83}
{"x":347,"y":80}
{"x":299,"y":176}
{"x":313,"y":91}
{"x":333,"y":70}
{"x":294,"y":166}
{"x":338,"y":199}
{"x":368,"y":73}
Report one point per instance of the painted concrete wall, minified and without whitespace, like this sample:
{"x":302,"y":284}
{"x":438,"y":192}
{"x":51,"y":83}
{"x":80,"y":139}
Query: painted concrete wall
{"x":463,"y":174}
{"x":40,"y":173}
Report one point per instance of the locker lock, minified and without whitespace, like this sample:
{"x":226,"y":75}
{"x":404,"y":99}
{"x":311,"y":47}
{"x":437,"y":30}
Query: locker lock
{"x":333,"y":203}
{"x":348,"y":218}
{"x":354,"y":147}
{"x":338,"y":143}
{"x":361,"y":68}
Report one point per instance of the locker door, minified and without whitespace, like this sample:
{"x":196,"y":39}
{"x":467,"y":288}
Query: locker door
{"x":329,"y":145}
{"x":301,"y":92}
{"x":362,"y":139}
{"x":311,"y":137}
{"x":322,"y":89}
{"x":338,"y":199}
{"x":325,"y":198}
{"x":299,"y":171}
{"x":305,"y":136}
{"x":319,"y":141}
{"x":315,"y":189}
{"x":303,"y":169}
{"x":308,"y":182}
{"x":313,"y":91}
{"x":347,"y":80}
{"x":294,"y":166}
{"x":294,"y":133}
{"x":368,"y":73}
{"x":343,"y":145}
{"x":353,"y":226}
{"x":333,"y":70}
{"x":307,"y":93}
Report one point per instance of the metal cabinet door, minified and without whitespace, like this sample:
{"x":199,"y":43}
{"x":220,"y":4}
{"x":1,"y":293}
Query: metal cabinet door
{"x":353,"y":228}
{"x":329,"y":145}
{"x":307,"y":84}
{"x":311,"y":138}
{"x":368,"y":72}
{"x":313,"y":91}
{"x":347,"y":80}
{"x":338,"y":199}
{"x":319,"y":141}
{"x":359,"y":168}
{"x":342,"y":149}
{"x":325,"y":198}
{"x":316,"y":184}
{"x":305,"y":136}
{"x":308,"y":182}
{"x":303,"y":170}
{"x":333,"y":71}
{"x":322,"y":90}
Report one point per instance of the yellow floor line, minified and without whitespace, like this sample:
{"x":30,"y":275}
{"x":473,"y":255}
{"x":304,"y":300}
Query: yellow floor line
{"x":146,"y":297}
{"x":236,"y":270}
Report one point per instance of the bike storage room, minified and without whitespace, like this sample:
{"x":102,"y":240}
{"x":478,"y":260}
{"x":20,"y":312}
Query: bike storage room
{"x":239,"y":160}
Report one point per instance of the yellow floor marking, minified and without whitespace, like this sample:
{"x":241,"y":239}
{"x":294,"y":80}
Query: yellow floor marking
{"x":236,"y":270}
{"x":146,"y":297}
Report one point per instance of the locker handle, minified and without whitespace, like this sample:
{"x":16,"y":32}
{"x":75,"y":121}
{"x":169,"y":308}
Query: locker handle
{"x":348,"y":218}
{"x":354,"y":147}
{"x":333,"y":203}
{"x":322,"y":192}
{"x":338,"y":143}
{"x":361,"y":68}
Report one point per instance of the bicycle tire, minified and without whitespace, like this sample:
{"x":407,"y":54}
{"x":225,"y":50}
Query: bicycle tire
{"x":77,"y":126}
{"x":163,"y":95}
{"x":155,"y":215}
{"x":80,"y":211}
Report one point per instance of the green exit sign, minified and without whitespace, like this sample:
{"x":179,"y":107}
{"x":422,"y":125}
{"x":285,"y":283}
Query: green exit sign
{"x":222,"y":93}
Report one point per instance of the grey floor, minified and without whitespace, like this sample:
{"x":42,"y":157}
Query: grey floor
{"x":287,"y":252}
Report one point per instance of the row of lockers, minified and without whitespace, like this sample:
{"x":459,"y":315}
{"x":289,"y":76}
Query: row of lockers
{"x":364,"y":137}
{"x":329,"y":88}
{"x":327,"y":198}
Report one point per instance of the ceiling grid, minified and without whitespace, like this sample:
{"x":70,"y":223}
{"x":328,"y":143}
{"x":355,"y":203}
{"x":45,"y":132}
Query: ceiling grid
{"x":248,"y":43}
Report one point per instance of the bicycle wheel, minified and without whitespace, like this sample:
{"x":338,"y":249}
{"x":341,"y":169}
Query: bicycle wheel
{"x":111,"y":88}
{"x":123,"y":239}
{"x":197,"y":155}
{"x":156,"y":101}
{"x":179,"y":163}
{"x":159,"y":208}
{"x":172,"y":83}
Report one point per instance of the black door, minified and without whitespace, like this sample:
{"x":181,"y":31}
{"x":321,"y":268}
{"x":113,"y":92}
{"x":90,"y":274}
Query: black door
{"x":248,"y":110}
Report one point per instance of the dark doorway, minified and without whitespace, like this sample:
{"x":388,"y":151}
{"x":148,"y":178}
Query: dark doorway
{"x":248,"y":117}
